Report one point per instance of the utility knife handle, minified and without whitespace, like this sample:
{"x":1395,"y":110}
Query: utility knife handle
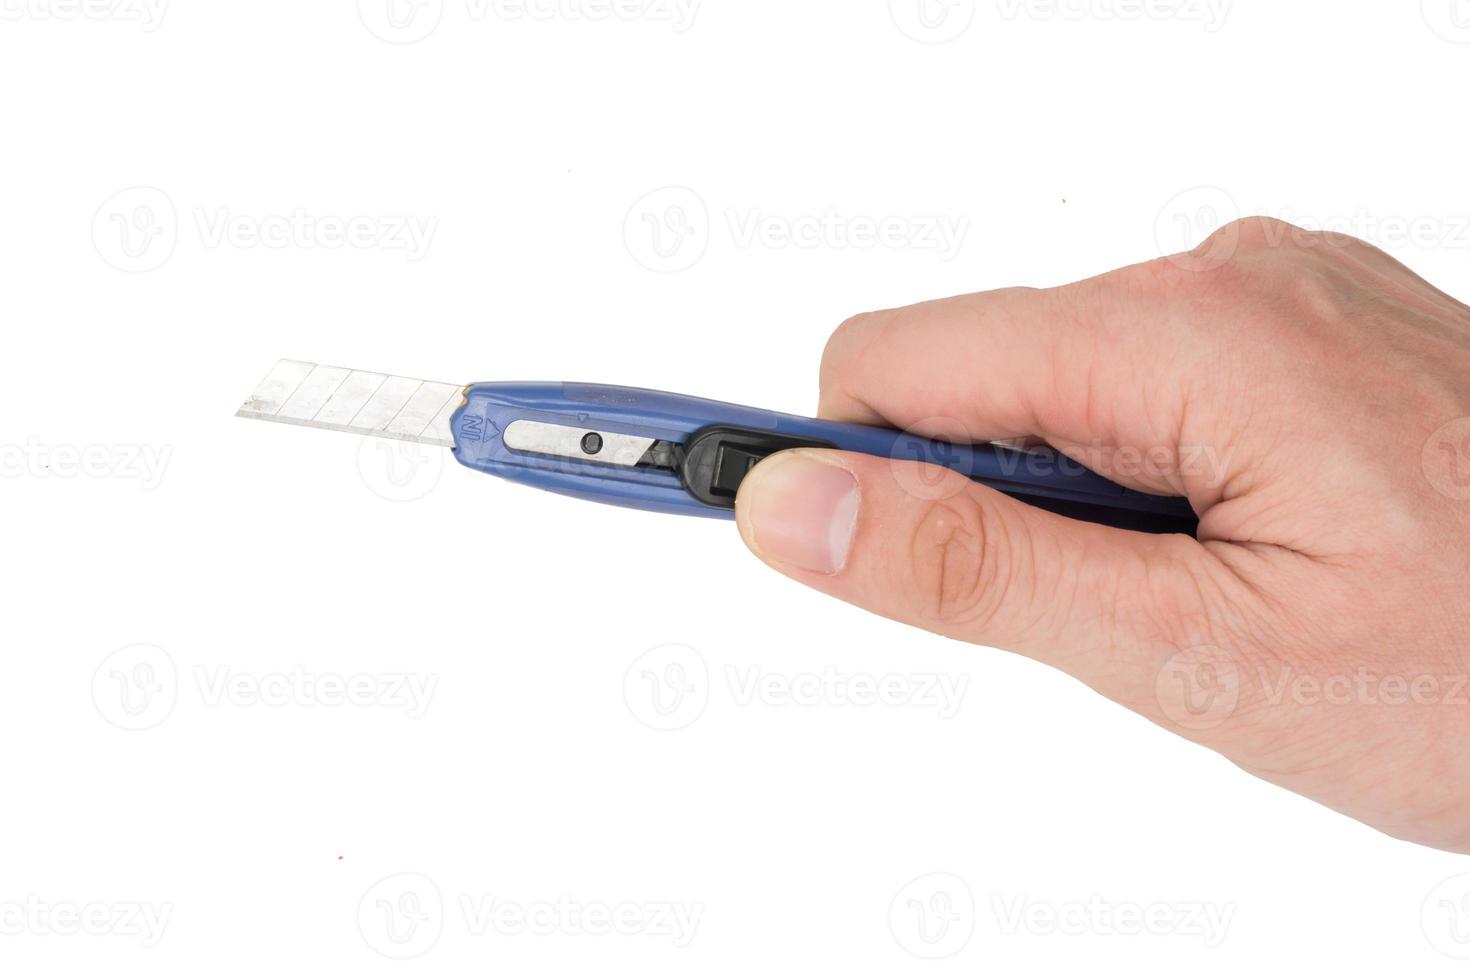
{"x":684,"y":455}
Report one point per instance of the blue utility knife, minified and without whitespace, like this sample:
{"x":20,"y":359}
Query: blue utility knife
{"x":659,"y":451}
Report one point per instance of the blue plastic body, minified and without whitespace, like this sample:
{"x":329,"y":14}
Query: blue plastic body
{"x":490,"y":408}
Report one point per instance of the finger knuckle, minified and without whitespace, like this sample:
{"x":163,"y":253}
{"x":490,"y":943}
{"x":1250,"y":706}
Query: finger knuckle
{"x":1259,"y":232}
{"x":1235,"y":262}
{"x":1280,"y":243}
{"x":959,"y":561}
{"x":845,"y":348}
{"x":847,"y":339}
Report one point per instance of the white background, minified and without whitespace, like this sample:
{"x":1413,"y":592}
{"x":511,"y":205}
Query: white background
{"x":260,"y":828}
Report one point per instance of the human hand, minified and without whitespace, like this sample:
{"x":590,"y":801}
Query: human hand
{"x":1305,"y":391}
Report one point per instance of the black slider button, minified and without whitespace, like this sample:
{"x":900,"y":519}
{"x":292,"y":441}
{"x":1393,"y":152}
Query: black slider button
{"x":731,"y":465}
{"x":718,"y":457}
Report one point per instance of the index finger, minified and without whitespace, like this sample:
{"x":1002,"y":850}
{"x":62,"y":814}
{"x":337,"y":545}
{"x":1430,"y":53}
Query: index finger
{"x":1092,"y":368}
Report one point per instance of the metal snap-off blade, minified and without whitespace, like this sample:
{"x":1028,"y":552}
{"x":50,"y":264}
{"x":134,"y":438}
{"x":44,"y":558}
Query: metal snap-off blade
{"x":360,"y":402}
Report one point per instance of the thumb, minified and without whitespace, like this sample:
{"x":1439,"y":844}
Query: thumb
{"x":929,"y":547}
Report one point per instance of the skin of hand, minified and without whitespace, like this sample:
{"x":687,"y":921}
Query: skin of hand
{"x":1305,"y":391}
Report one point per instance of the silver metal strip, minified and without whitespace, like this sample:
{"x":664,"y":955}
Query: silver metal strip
{"x":571,"y":442}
